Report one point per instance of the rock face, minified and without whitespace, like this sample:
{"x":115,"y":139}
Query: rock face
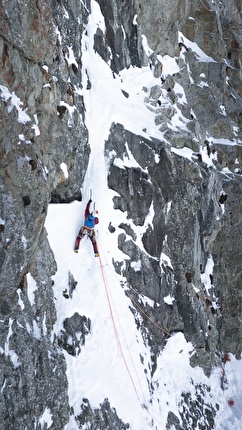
{"x":189,"y":226}
{"x":103,"y":418}
{"x":73,"y":335}
{"x":196,"y":202}
{"x":43,"y":140}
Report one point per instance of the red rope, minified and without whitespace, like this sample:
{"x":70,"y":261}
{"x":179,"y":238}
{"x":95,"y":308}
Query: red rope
{"x":110,"y":310}
{"x":166,"y":331}
{"x":120,"y":347}
{"x":143,"y":312}
{"x":115,"y":329}
{"x":121,"y":328}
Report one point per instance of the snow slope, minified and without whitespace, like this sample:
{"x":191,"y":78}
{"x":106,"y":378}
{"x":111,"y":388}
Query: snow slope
{"x":109,"y":365}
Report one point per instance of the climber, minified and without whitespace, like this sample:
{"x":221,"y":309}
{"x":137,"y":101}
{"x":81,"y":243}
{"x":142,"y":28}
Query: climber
{"x":88,"y":228}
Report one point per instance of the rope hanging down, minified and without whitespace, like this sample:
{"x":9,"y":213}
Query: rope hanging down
{"x":164,"y":330}
{"x":115,"y":329}
{"x":120,"y":347}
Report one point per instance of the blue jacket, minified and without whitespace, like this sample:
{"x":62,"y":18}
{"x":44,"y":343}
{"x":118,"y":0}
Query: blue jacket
{"x":90,"y":220}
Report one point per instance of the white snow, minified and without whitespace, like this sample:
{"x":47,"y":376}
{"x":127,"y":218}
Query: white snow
{"x":57,"y":31}
{"x":135,"y":20}
{"x":14,"y":358}
{"x":24,"y":241}
{"x":205,"y":276}
{"x":14,"y":101}
{"x":195,"y":48}
{"x":21,"y":137}
{"x":36,"y":330}
{"x":169,"y":300}
{"x":70,"y":57}
{"x":10,"y":332}
{"x":136,"y":265}
{"x":45,"y":419}
{"x":164,"y":259}
{"x":44,"y":328}
{"x":20,"y":301}
{"x":8,"y":351}
{"x":115,"y":362}
{"x":227,"y":142}
{"x":31,"y":288}
{"x":70,"y":108}
{"x":184,"y":152}
{"x":169,"y":65}
{"x":64,"y":169}
{"x":4,"y":384}
{"x":46,"y":68}
{"x":35,"y":126}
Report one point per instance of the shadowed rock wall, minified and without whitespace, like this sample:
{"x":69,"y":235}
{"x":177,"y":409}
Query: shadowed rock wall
{"x":41,"y":127}
{"x":195,"y":202}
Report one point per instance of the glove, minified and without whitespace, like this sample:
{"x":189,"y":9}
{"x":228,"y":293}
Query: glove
{"x":90,"y":201}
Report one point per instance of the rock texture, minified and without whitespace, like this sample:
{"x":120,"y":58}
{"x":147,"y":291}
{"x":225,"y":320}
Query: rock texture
{"x":73,"y":334}
{"x":41,"y":127}
{"x":197,"y":202}
{"x":103,"y":418}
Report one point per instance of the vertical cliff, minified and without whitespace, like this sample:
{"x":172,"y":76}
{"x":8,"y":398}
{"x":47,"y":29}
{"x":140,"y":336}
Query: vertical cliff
{"x":44,"y":153}
{"x":194,"y":200}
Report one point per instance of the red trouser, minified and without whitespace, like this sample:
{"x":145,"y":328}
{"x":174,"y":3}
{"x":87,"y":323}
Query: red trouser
{"x":91,"y":234}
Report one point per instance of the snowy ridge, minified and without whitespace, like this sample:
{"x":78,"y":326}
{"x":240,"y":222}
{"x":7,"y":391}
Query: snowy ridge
{"x":115,"y":362}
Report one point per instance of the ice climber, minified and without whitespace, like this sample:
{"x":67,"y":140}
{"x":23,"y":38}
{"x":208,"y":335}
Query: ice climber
{"x":90,"y":221}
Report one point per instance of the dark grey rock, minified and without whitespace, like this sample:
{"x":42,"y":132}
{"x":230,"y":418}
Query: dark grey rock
{"x":123,"y":36}
{"x":103,"y":418}
{"x":72,"y":337}
{"x":196,"y":412}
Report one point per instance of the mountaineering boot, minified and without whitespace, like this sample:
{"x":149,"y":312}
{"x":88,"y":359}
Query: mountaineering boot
{"x":77,"y":243}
